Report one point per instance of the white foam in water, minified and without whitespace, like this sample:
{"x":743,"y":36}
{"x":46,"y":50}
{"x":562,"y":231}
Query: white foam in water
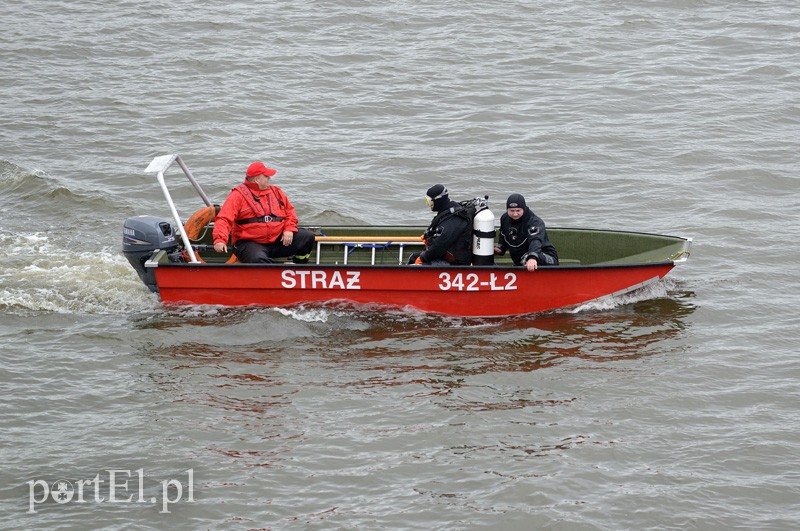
{"x":308,"y":315}
{"x":656,"y":290}
{"x":35,"y":275}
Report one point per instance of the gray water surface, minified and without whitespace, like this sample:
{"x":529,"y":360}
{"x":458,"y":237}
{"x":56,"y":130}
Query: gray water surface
{"x":674,"y":408}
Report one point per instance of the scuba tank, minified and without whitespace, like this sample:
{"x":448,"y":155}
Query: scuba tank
{"x":482,"y":233}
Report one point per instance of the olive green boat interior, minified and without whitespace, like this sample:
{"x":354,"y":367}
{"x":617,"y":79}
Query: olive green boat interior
{"x":367,"y":245}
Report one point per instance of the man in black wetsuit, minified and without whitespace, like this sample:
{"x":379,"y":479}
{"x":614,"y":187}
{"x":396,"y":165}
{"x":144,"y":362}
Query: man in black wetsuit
{"x":524,"y":235}
{"x":448,"y":240}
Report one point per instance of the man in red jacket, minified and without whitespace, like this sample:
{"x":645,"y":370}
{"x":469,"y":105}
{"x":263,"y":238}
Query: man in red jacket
{"x":261,"y":222}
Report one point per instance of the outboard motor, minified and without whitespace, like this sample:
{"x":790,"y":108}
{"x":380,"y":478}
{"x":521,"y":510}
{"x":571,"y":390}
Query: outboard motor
{"x":141,"y":237}
{"x":483,"y":234}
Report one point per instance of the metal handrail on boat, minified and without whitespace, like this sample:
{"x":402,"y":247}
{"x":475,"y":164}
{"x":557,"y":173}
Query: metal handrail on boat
{"x":158,"y":166}
{"x":354,"y":242}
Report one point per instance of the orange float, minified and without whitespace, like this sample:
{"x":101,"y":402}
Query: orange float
{"x":198,"y":221}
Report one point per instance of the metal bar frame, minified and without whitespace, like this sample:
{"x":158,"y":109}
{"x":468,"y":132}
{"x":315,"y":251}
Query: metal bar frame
{"x":158,"y":166}
{"x":360,"y":244}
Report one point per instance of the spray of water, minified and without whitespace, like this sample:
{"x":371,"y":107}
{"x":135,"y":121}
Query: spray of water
{"x":38,"y":275}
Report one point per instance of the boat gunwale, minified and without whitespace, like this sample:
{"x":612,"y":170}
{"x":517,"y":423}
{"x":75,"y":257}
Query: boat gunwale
{"x":674,"y":260}
{"x":554,"y":228}
{"x":288,"y":265}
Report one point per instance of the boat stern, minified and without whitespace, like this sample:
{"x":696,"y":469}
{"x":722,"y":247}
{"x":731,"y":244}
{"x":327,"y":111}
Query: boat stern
{"x":142,"y":237}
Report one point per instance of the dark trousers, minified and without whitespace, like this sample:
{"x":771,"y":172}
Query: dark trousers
{"x":434,"y":262}
{"x":251,"y":252}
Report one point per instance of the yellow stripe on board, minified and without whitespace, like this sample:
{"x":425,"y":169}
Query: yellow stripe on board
{"x":368,"y":239}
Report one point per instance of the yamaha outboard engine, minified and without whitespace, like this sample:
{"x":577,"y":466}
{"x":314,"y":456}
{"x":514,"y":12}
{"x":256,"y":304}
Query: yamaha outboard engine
{"x":141,"y":237}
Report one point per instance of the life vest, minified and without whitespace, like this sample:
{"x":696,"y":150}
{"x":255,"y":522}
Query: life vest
{"x":257,"y":215}
{"x":253,"y":200}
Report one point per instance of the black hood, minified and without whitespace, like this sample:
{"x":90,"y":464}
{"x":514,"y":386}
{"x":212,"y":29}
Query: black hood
{"x":441,"y":199}
{"x":516,"y":201}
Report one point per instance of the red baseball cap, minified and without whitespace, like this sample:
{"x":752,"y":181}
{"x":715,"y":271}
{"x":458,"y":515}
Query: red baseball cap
{"x":258,"y":168}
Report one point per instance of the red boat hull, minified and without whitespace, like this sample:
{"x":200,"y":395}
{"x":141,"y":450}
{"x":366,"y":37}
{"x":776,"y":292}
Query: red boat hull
{"x":461,"y":291}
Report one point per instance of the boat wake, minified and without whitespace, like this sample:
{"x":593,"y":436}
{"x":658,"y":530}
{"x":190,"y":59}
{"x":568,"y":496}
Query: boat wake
{"x":38,"y":275}
{"x":308,"y":315}
{"x":654,"y":290}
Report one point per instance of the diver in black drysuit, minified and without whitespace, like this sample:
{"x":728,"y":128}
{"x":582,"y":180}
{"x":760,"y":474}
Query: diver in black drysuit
{"x":525,"y":238}
{"x":448,"y":239}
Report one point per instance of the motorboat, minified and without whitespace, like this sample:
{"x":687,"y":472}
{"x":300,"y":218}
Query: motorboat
{"x":367,"y":265}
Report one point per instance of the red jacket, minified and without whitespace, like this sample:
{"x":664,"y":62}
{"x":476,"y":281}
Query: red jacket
{"x":241,"y":205}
